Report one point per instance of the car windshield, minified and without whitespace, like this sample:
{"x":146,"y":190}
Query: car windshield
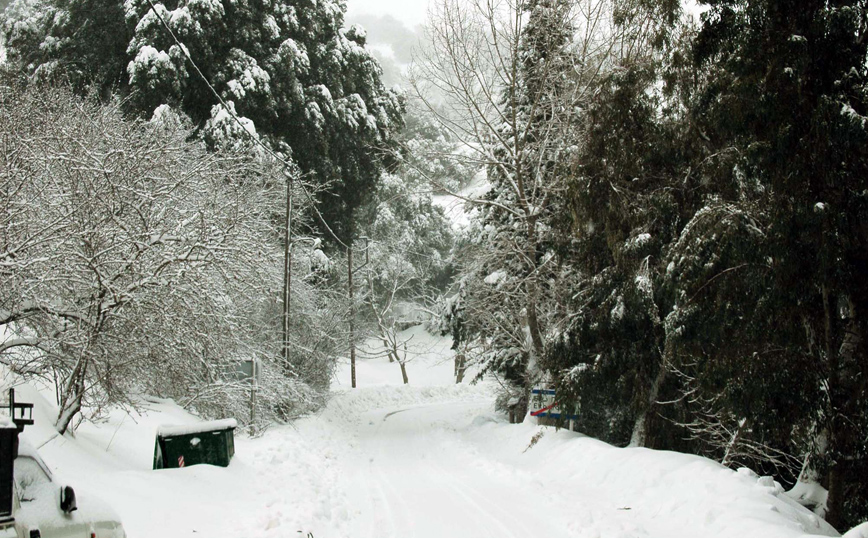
{"x":29,"y":475}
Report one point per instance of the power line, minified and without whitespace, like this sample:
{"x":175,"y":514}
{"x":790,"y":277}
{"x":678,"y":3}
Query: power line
{"x":231,"y":112}
{"x":289,"y":166}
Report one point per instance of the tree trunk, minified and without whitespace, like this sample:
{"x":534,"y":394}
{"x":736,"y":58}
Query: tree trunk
{"x":460,"y":367}
{"x":518,"y":411}
{"x":533,"y":324}
{"x":834,"y":502}
{"x":844,"y":385}
{"x":287,"y":275}
{"x":640,"y":432}
{"x":835,"y":486}
{"x":533,"y":321}
{"x":72,"y":395}
{"x":404,"y":372}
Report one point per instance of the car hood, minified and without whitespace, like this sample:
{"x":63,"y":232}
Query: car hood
{"x":43,"y":512}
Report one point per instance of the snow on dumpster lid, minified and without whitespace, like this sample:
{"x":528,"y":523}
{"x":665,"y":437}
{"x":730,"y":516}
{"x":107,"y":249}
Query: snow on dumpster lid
{"x":6,"y":422}
{"x":199,"y":427}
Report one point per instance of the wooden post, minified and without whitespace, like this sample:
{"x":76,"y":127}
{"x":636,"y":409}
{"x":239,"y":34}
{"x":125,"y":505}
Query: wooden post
{"x":253,"y":398}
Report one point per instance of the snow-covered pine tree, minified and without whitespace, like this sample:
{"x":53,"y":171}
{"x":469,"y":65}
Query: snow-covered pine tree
{"x":788,"y":104}
{"x":288,"y":67}
{"x":627,"y":201}
{"x":607,"y":360}
{"x":534,"y":142}
{"x":522,"y":122}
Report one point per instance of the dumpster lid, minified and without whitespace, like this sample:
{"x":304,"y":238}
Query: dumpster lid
{"x":198,"y":427}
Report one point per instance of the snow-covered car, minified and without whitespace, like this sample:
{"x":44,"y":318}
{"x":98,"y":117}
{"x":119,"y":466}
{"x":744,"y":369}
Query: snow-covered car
{"x":45,"y":508}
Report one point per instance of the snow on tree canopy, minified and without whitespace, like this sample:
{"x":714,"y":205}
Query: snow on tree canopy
{"x":618,"y":311}
{"x":495,"y":278}
{"x":638,"y":241}
{"x":357,"y":34}
{"x":166,"y":116}
{"x":221,"y":130}
{"x":157,"y":68}
{"x":293,"y":55}
{"x":245,"y":76}
{"x":849,"y":112}
{"x":266,"y":57}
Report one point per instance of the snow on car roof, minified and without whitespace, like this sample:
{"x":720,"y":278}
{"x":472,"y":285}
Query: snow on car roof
{"x":198,"y":427}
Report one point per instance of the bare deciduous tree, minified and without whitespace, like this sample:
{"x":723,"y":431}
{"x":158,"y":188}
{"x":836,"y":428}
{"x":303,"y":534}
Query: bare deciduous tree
{"x":136,"y":261}
{"x":510,"y":80}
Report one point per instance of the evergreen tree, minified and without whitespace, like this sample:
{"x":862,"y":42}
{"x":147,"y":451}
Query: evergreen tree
{"x":628,"y":203}
{"x":716,"y":233}
{"x":288,"y":68}
{"x":626,"y":200}
{"x":788,"y":103}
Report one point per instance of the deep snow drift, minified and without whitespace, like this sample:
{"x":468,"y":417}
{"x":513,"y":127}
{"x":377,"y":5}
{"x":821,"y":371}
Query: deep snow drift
{"x":427,"y":460}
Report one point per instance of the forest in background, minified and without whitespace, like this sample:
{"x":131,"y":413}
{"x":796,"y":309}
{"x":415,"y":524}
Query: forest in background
{"x":673,"y":233}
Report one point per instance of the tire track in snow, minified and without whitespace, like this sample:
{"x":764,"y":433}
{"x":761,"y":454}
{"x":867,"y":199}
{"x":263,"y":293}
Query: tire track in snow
{"x":495,"y":513}
{"x":418,"y":487}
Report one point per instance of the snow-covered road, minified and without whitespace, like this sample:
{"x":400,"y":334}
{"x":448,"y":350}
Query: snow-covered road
{"x":430,"y":460}
{"x":411,"y":478}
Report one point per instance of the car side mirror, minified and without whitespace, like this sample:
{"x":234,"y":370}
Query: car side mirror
{"x":67,"y":499}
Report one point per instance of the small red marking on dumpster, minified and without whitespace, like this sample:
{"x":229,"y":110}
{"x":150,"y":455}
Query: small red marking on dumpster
{"x":180,"y":461}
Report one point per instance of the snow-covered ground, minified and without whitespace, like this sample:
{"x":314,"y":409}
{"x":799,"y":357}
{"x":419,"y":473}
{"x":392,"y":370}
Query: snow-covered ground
{"x":429,"y":363}
{"x":457,"y":209}
{"x":431,"y":459}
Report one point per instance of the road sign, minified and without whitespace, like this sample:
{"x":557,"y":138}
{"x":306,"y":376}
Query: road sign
{"x":544,"y":404}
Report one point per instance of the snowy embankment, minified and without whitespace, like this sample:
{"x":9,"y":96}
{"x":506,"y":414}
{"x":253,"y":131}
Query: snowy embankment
{"x":427,"y":460}
{"x":641,"y":492}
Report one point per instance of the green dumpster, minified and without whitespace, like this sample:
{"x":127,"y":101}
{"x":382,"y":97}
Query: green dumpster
{"x":205,"y":442}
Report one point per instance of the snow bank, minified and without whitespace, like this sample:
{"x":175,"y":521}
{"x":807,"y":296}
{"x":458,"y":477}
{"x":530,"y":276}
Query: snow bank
{"x":350,"y":405}
{"x":655,"y":488}
{"x":860,"y":531}
{"x":283,"y":483}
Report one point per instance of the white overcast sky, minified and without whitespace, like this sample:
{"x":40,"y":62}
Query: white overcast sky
{"x":415,"y":12}
{"x":410,"y":12}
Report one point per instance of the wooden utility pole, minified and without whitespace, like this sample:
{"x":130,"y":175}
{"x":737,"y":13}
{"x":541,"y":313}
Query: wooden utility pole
{"x":287,"y":270}
{"x":352,"y":315}
{"x":350,"y":270}
{"x":253,"y":398}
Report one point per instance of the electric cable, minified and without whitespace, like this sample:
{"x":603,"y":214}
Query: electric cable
{"x":237,"y":120}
